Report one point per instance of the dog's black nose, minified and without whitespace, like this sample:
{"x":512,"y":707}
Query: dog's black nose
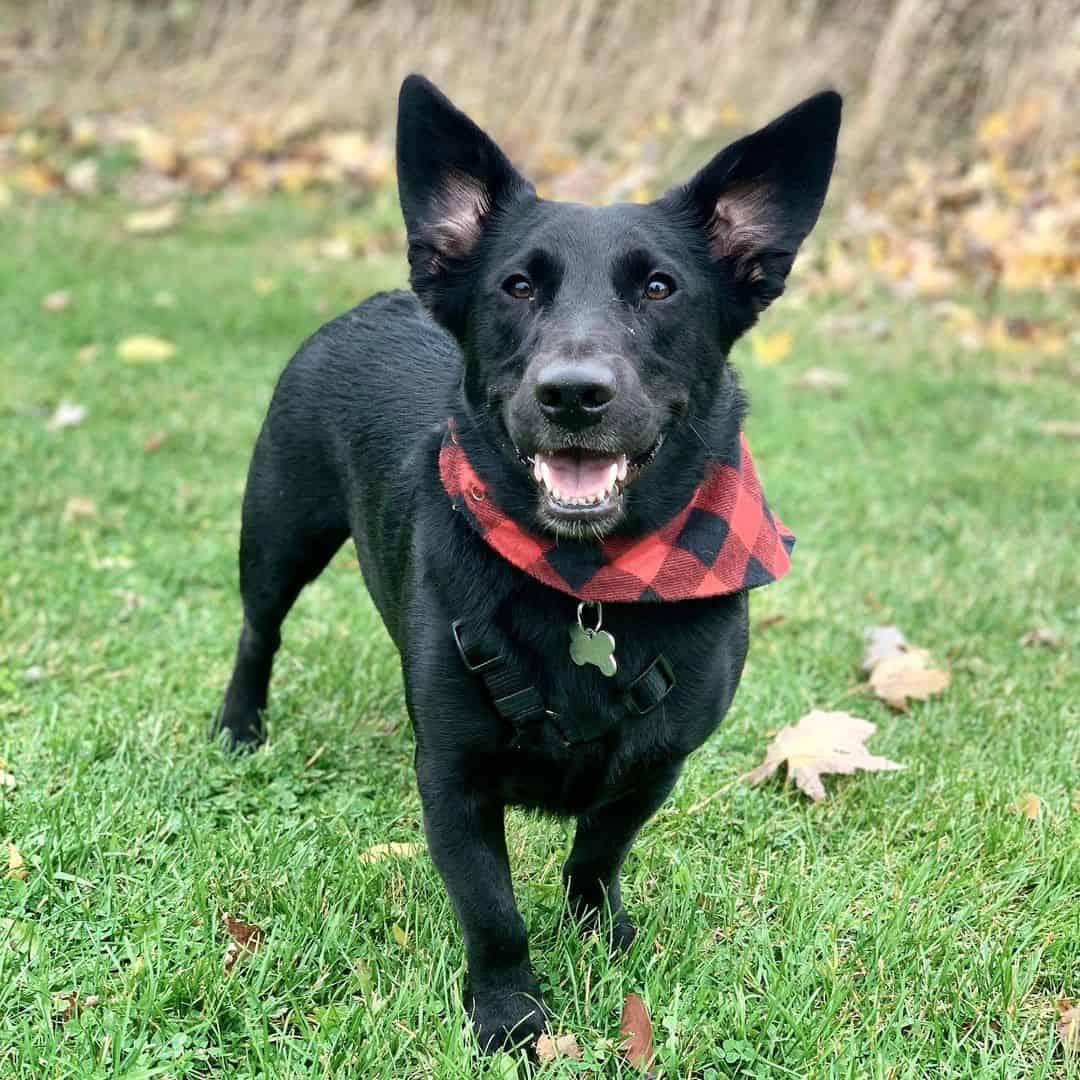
{"x":575,"y":393}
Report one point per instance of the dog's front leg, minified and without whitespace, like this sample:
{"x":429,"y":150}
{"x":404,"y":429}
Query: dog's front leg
{"x":465,"y":835}
{"x":601,"y":843}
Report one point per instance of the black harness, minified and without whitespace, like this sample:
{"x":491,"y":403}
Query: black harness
{"x":518,"y":701}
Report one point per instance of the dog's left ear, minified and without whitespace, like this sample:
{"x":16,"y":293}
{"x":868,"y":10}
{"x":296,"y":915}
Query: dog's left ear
{"x":758,"y":199}
{"x":452,"y":181}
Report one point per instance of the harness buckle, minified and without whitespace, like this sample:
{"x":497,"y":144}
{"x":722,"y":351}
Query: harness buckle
{"x":476,"y":664}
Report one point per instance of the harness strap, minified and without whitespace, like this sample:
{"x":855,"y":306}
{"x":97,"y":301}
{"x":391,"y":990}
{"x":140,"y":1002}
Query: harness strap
{"x":518,"y":701}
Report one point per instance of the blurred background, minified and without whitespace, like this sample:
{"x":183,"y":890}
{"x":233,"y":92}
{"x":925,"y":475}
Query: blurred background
{"x":959,"y":155}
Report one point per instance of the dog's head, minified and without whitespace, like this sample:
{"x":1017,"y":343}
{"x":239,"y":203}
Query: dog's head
{"x":593,"y":339}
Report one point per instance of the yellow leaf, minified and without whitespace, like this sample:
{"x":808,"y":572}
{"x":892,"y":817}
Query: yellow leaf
{"x":155,"y":149}
{"x":386,"y":851}
{"x":145,"y":349}
{"x":549,"y":1047}
{"x":16,"y":866}
{"x":153,"y":222}
{"x":772,"y":348}
{"x":1030,"y":805}
{"x":399,"y":935}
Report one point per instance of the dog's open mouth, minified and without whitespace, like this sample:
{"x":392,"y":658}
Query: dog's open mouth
{"x":585,"y":485}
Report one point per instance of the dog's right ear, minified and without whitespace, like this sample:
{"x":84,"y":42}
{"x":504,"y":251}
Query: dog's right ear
{"x":452,"y":181}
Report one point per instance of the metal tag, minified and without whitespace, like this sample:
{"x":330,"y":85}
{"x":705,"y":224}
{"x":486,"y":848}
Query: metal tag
{"x":592,"y":645}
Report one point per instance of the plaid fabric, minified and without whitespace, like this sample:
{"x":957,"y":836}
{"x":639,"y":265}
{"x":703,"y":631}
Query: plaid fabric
{"x":723,"y":541}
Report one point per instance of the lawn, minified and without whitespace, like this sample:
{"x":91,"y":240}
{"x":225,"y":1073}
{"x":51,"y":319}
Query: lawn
{"x":915,"y":924}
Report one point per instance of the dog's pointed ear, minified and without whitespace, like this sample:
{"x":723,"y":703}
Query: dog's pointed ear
{"x":758,"y":199}
{"x":452,"y":180}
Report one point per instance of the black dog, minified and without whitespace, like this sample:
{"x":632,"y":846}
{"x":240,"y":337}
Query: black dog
{"x":544,"y":434}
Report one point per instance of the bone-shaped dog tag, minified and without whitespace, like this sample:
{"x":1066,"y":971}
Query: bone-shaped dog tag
{"x":592,"y":646}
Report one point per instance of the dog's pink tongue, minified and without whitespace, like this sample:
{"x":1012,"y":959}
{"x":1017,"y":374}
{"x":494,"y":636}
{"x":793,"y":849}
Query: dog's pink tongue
{"x":577,"y":477}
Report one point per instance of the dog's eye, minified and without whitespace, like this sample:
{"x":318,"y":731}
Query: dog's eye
{"x":518,"y":286}
{"x":659,"y":287}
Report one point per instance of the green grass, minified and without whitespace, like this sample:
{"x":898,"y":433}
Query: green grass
{"x":914,"y":925}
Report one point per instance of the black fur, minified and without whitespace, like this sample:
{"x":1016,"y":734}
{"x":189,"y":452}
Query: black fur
{"x":350,"y":445}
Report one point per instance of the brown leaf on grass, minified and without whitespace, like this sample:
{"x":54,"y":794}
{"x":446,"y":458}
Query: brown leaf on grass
{"x":1030,"y":805}
{"x":56,"y":301}
{"x":145,"y":349}
{"x":1068,"y":1025}
{"x":79,"y":506}
{"x":1042,"y":635}
{"x":153,"y":222}
{"x":154,"y":442}
{"x":550,"y":1047}
{"x":68,"y":1005}
{"x":16,"y":866}
{"x":635,"y":1027}
{"x":907,"y":675}
{"x":245,"y":938}
{"x":821,"y":742}
{"x":392,"y":850}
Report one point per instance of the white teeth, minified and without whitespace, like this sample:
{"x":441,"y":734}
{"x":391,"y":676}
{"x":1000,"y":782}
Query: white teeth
{"x":545,"y":475}
{"x":612,"y":474}
{"x":621,"y":468}
{"x":536,"y":469}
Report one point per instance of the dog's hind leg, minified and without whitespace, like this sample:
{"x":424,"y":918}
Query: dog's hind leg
{"x":292,"y":526}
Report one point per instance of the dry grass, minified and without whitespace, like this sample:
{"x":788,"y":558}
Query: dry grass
{"x":566,"y":75}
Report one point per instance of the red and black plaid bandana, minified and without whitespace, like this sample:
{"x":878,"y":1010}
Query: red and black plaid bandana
{"x":723,"y":541}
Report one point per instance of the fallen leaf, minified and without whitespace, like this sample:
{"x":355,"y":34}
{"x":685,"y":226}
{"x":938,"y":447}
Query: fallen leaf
{"x":82,"y":177}
{"x":78,"y":506}
{"x":154,"y":442}
{"x":1068,"y":1025}
{"x":56,"y":301}
{"x":1042,"y":635}
{"x":821,"y":742}
{"x":67,"y":414}
{"x":823,"y":380}
{"x":772,"y":348}
{"x":391,"y":850}
{"x":881,"y":643}
{"x":400,"y":936}
{"x":246,"y":938}
{"x":549,"y":1047}
{"x":264,"y":286}
{"x":636,"y":1028}
{"x":907,"y":675}
{"x":153,"y":222}
{"x":68,"y":1005}
{"x":155,"y":149}
{"x":16,"y":866}
{"x":88,"y":353}
{"x":1063,"y":429}
{"x":1030,"y":805}
{"x":145,"y":349}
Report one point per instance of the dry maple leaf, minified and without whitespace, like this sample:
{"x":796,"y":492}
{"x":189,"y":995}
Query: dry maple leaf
{"x":636,"y":1028}
{"x":1068,"y":1025}
{"x":907,"y":675}
{"x":821,"y":742}
{"x":246,"y":938}
{"x":550,"y":1047}
{"x":385,"y":851}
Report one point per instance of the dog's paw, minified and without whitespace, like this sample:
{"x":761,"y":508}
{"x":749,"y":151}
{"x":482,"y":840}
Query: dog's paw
{"x":508,"y":1016}
{"x":242,"y":730}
